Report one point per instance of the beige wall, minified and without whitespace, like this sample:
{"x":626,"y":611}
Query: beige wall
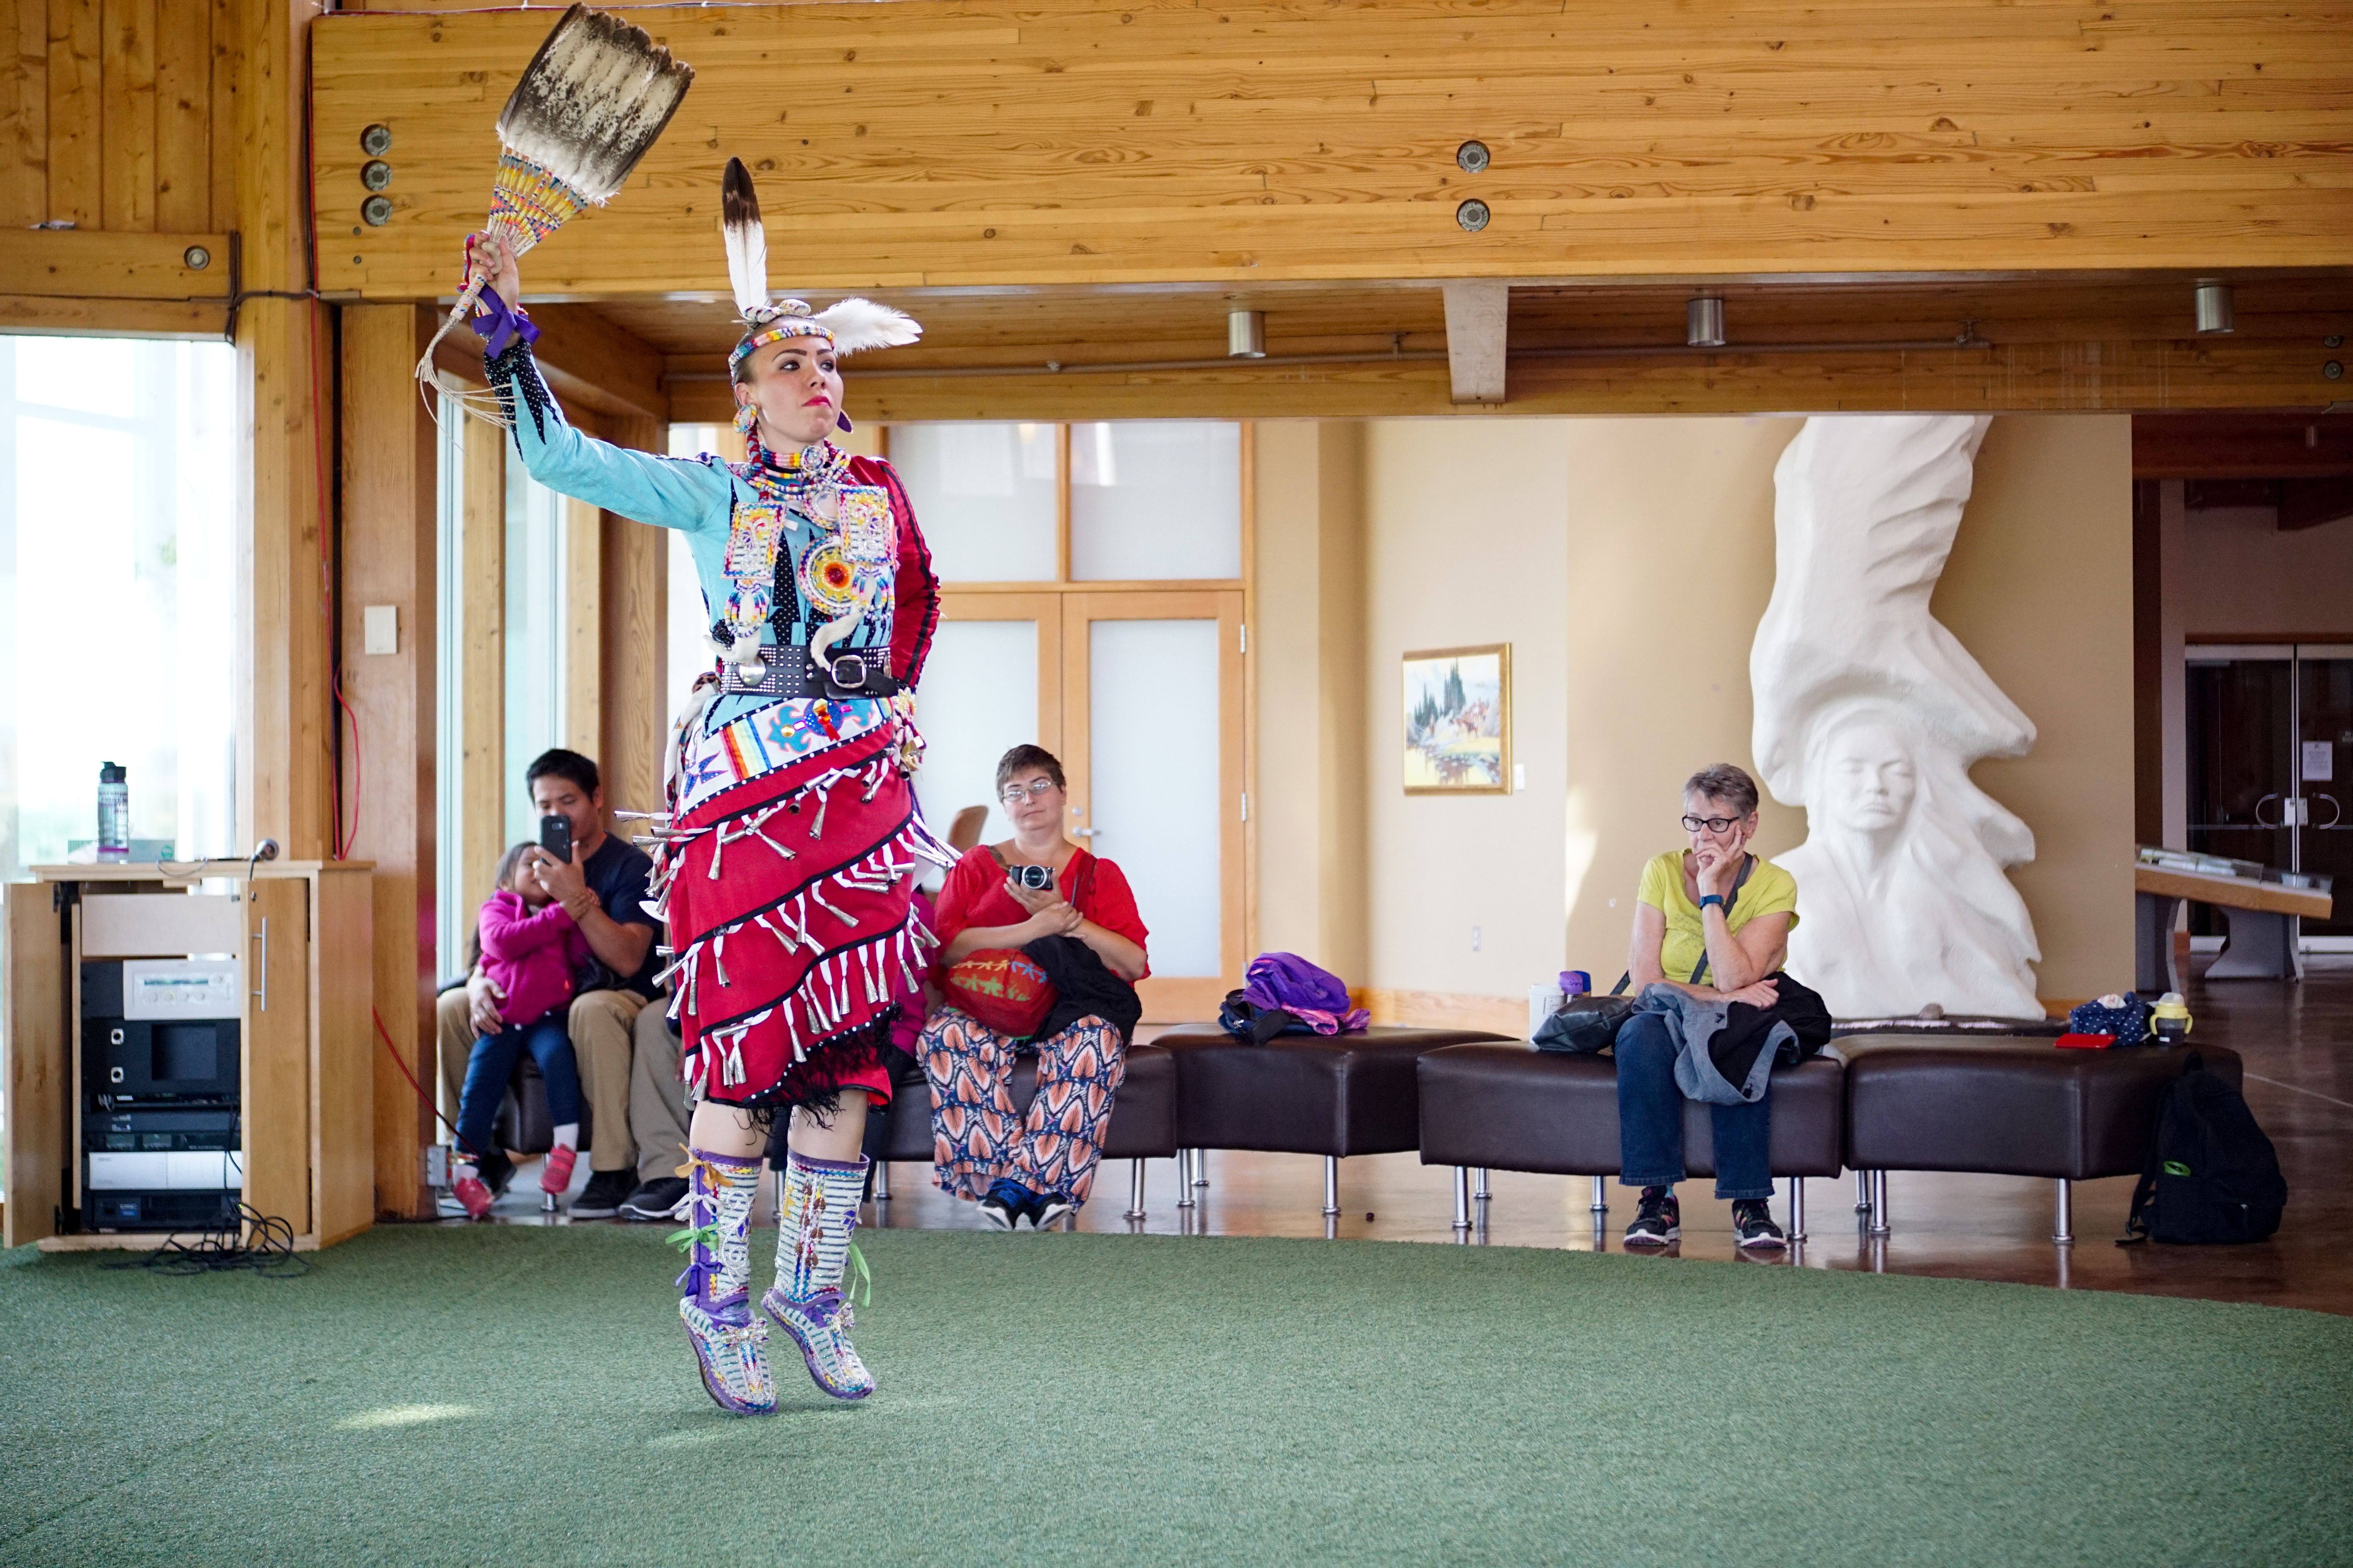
{"x":2040,"y":589}
{"x":1627,"y":560}
{"x":2243,"y":580}
{"x":1464,"y":546}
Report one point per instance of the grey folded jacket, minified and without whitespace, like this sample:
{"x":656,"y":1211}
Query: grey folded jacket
{"x":1695,"y":1021}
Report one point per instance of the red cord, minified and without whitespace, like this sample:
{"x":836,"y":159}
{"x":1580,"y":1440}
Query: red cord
{"x":386,"y":1035}
{"x":344,"y":842}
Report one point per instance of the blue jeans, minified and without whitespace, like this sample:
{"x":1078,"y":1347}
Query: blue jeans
{"x":1650,"y":1119}
{"x":493,"y":1062}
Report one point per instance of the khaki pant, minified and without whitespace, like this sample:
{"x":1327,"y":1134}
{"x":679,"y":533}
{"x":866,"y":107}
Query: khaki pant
{"x":657,"y":1109}
{"x":599,"y":1025}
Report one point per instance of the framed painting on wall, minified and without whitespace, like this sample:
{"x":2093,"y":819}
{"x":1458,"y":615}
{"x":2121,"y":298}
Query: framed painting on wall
{"x":1458,"y":721}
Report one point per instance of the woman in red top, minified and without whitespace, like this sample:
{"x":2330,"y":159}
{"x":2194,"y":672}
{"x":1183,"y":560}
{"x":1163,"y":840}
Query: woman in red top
{"x":1043,"y":1163}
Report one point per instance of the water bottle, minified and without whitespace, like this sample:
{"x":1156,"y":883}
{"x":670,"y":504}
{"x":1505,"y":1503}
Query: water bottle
{"x":1544,"y":1000}
{"x":113,"y":813}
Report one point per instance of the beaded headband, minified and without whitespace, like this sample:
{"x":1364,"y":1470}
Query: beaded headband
{"x":845,"y":327}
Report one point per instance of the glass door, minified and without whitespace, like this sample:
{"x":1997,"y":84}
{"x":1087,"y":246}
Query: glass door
{"x":992,"y":682}
{"x":2241,"y":746}
{"x":1152,"y":717}
{"x":2323,"y":681}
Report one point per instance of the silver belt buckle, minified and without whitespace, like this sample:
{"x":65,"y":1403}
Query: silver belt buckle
{"x":848,"y":672}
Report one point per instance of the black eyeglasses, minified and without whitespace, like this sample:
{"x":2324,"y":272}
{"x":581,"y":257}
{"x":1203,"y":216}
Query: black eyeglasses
{"x":1712,"y":824}
{"x":1037,"y":789}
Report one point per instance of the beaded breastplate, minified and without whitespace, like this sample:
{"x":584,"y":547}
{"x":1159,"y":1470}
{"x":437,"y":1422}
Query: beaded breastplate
{"x":809,"y":549}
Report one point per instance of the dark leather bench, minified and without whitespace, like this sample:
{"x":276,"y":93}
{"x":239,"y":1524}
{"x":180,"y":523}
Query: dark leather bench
{"x":1511,"y":1107}
{"x":1334,"y":1095}
{"x":1142,"y":1120}
{"x":2010,"y":1105}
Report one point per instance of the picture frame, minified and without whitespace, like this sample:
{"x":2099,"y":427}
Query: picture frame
{"x":1457,"y":711}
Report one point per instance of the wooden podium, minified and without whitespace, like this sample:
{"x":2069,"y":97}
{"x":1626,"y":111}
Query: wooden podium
{"x":302,"y":934}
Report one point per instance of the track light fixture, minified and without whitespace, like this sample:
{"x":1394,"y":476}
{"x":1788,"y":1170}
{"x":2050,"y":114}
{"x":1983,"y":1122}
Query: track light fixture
{"x":1703,"y":322}
{"x":1245,"y":334}
{"x":2215,"y":315}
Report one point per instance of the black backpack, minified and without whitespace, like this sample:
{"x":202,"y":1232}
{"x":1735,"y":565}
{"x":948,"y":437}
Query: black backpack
{"x":2211,"y":1176}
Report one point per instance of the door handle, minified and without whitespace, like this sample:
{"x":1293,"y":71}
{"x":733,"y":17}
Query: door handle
{"x":263,"y":938}
{"x":2337,"y":812}
{"x":2259,"y":813}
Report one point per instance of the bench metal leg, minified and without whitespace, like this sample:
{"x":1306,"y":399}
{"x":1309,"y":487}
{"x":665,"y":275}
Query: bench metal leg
{"x":1136,"y":1189}
{"x":1331,"y":1184}
{"x":1200,"y":1167}
{"x":1862,"y":1192}
{"x":881,"y":1180}
{"x":1461,"y":1198}
{"x":1879,"y":1203}
{"x":1600,"y":1198}
{"x":1184,"y":1198}
{"x":547,"y":1203}
{"x":1797,"y":1208}
{"x":2064,"y":1232}
{"x":1478,"y":1183}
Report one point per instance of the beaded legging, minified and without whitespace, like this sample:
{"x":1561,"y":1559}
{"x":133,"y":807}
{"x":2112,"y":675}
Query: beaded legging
{"x":978,"y":1135}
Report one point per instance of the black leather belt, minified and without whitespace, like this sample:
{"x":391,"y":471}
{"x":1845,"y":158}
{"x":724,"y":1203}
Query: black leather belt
{"x":793,"y":673}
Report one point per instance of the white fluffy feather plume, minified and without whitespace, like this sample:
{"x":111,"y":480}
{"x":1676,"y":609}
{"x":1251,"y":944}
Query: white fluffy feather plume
{"x":862,"y":324}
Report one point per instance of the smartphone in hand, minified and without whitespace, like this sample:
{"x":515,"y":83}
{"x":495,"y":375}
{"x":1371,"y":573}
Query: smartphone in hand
{"x":556,"y":836}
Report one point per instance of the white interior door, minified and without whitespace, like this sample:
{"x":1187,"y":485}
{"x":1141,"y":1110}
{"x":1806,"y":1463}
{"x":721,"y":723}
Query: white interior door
{"x":992,"y":682}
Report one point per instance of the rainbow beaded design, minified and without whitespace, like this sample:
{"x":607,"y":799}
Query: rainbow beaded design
{"x":528,"y":204}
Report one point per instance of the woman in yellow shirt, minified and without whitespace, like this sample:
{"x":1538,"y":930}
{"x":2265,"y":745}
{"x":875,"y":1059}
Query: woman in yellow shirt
{"x":1714,"y":920}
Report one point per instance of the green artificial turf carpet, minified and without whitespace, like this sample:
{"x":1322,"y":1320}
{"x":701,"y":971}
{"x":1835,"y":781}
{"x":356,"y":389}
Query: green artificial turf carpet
{"x":507,"y":1394}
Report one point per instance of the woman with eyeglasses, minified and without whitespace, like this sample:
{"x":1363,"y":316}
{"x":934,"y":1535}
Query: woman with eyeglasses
{"x":1712,"y":921}
{"x":1074,"y":915}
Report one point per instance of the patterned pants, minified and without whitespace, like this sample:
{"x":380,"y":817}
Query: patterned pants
{"x":977,"y":1136}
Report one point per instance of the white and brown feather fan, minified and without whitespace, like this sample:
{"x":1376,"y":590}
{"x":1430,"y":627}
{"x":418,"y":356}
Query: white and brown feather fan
{"x":589,"y":107}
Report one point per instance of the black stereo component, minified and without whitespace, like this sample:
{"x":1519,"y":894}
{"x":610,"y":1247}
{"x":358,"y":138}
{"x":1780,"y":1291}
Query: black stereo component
{"x":162,"y":1148}
{"x":127,"y":1058}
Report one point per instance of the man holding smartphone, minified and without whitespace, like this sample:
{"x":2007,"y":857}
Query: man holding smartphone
{"x":602,"y":886}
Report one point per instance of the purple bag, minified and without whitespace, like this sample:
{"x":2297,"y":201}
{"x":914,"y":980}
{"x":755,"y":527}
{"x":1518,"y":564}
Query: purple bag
{"x":1287,"y":983}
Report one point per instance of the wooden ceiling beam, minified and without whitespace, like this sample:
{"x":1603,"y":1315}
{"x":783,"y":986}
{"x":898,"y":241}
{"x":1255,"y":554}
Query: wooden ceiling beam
{"x":931,"y":143}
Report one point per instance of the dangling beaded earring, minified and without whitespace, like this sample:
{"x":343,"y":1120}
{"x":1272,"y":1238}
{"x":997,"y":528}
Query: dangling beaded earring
{"x":748,"y":418}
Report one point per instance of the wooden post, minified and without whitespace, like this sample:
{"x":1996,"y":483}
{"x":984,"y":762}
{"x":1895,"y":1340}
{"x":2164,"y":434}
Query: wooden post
{"x":284,"y":741}
{"x":584,"y":626}
{"x":635,"y":633}
{"x":482,"y":663}
{"x":389,"y":528}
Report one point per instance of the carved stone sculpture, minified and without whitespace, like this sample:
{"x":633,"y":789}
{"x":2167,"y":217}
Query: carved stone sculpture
{"x":1869,"y":713}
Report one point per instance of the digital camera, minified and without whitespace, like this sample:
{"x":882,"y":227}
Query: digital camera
{"x":1038,"y":879}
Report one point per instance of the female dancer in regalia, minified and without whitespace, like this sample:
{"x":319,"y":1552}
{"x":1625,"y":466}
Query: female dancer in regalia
{"x":784,"y":870}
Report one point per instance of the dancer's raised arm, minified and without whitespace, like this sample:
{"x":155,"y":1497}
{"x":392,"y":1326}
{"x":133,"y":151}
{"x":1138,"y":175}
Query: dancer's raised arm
{"x":669,"y":492}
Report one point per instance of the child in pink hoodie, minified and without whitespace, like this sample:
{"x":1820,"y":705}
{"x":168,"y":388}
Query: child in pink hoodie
{"x":531,"y":949}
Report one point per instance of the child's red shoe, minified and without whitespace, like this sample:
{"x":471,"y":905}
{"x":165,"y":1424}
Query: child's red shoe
{"x":476,"y":1196}
{"x":557,"y":1175}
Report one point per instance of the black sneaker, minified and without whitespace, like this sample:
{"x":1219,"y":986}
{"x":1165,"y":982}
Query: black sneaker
{"x":1049,"y":1208}
{"x":1659,"y":1221}
{"x":1006,"y":1202}
{"x":498,"y":1173}
{"x":1752,"y":1226}
{"x":603,"y":1197}
{"x":653,"y":1201}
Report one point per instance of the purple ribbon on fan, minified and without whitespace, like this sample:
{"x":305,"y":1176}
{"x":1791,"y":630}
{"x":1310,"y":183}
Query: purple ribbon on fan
{"x":499,"y":324}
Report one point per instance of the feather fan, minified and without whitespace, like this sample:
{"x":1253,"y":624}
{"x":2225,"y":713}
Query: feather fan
{"x":589,"y":107}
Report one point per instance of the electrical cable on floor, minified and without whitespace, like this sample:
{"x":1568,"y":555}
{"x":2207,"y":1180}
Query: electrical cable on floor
{"x":386,"y":1035}
{"x":249,"y":1240}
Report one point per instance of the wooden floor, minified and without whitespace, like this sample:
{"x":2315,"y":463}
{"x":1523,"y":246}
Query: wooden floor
{"x":2296,"y":1040}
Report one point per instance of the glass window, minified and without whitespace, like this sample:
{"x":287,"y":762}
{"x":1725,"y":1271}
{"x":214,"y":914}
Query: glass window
{"x":453,"y":920}
{"x":1152,"y":715}
{"x":689,"y":652}
{"x":1153,"y":500}
{"x":985,"y":496}
{"x":535,"y":635}
{"x":118,"y":593}
{"x":978,"y":700}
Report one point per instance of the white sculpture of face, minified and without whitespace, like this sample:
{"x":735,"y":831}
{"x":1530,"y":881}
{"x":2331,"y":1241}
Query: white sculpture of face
{"x":1868,"y":778}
